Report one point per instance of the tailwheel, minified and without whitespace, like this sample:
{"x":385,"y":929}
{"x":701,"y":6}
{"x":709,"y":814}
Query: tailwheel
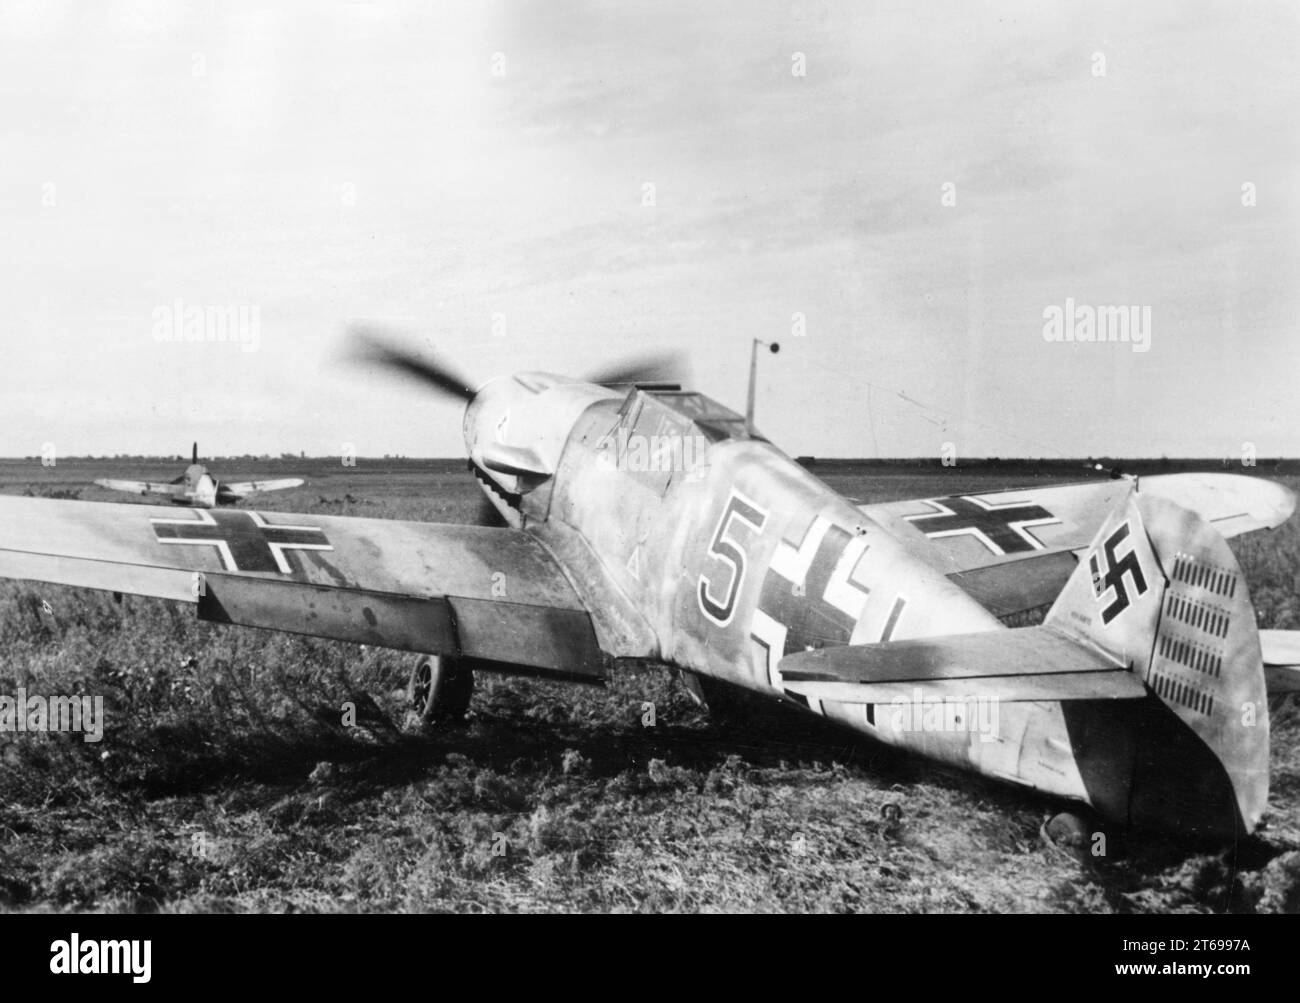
{"x":1075,"y":832}
{"x":440,"y":688}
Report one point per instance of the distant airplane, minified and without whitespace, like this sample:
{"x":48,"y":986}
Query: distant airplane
{"x":648,"y":522}
{"x":199,"y":489}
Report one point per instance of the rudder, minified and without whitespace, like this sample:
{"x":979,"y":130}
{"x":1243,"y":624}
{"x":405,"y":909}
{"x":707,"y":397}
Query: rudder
{"x":1159,"y":588}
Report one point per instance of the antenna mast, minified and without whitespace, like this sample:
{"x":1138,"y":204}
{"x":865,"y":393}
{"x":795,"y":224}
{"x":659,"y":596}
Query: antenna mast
{"x":753,"y":376}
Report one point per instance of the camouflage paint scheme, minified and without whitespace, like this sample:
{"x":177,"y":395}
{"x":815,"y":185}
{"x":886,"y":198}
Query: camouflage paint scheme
{"x":737,"y":557}
{"x":657,"y":524}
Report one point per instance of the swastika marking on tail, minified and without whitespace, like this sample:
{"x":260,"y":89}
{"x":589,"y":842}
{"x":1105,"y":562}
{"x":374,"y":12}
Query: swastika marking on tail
{"x":1112,"y":578}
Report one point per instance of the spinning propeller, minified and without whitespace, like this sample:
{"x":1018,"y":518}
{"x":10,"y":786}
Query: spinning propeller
{"x":372,"y":345}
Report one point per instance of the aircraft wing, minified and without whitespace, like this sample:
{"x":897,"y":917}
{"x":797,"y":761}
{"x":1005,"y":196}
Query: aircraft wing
{"x":175,"y":489}
{"x":1013,"y":550}
{"x":242,"y":488}
{"x":1027,"y":664}
{"x":443,"y":589}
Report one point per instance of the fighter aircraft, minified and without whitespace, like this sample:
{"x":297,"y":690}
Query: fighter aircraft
{"x":648,"y":522}
{"x":199,"y":489}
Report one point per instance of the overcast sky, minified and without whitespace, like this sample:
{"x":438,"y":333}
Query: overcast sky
{"x":444,"y":167}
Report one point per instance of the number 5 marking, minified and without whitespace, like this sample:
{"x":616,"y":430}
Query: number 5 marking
{"x":726,"y":548}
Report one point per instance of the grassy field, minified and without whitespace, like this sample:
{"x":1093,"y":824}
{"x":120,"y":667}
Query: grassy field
{"x":225,"y":781}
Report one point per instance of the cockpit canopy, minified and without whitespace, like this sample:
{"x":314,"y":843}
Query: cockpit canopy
{"x":711,"y":418}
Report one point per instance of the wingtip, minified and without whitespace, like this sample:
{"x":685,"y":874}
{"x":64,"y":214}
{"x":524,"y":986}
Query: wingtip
{"x":1286,"y":503}
{"x":1266,"y":501}
{"x":1274,"y":503}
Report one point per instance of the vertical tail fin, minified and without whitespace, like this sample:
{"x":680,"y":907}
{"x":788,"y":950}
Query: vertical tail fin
{"x":1159,"y":589}
{"x":194,"y":454}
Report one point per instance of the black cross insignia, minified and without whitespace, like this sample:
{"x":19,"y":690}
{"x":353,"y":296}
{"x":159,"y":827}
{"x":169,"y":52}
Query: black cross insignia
{"x":1002,"y":528}
{"x":810,"y":619}
{"x":245,"y":541}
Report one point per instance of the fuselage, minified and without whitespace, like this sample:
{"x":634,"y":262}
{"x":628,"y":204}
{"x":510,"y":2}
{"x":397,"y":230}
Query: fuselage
{"x":200,"y":488}
{"x":700,"y":544}
{"x":735,"y":556}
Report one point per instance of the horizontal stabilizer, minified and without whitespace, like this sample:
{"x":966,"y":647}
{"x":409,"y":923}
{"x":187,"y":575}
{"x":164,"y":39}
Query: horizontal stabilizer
{"x":1280,"y":647}
{"x":1111,"y":685}
{"x":1028,"y":664}
{"x":1281,"y":651}
{"x":1018,"y":585}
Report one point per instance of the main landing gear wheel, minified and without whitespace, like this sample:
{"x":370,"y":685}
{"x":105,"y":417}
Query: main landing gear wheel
{"x":439,"y":689}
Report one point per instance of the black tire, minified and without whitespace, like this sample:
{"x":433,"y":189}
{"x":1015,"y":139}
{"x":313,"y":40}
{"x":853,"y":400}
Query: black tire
{"x":439,"y":689}
{"x":1070,"y":832}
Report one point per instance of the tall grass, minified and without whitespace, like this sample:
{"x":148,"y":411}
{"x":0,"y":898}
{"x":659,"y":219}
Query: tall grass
{"x":228,"y":780}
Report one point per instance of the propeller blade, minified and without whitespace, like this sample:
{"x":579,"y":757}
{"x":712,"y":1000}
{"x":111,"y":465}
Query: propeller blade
{"x":371,"y":346}
{"x":665,"y":367}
